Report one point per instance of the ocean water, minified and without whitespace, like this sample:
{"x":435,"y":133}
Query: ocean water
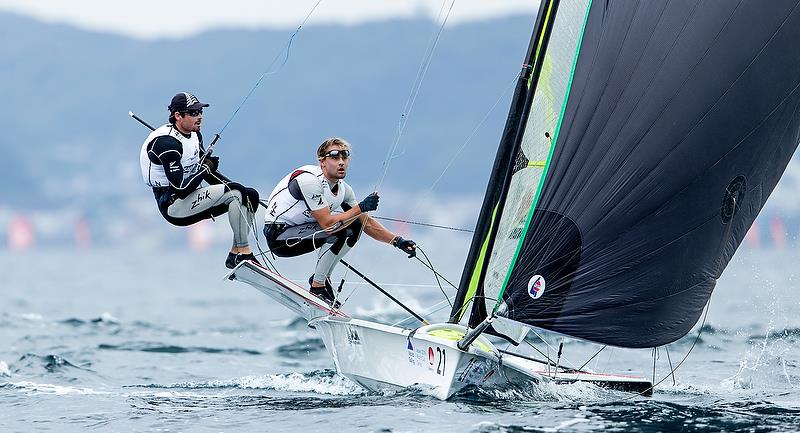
{"x":123,"y":340}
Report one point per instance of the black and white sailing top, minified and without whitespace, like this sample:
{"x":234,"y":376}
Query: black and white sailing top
{"x":170,"y":159}
{"x":306,"y":190}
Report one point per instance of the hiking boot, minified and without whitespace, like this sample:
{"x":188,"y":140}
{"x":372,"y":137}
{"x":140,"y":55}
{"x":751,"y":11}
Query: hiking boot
{"x":325,"y":293}
{"x":236,"y":258}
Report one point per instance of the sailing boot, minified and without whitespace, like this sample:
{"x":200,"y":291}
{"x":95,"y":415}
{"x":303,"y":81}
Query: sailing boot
{"x":325,"y":293}
{"x":236,"y":258}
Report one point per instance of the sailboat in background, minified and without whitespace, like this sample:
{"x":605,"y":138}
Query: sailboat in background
{"x":642,"y":141}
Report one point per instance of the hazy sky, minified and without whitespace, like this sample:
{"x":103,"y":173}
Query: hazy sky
{"x":158,"y":18}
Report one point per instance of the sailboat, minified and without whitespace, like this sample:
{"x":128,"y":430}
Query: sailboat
{"x":642,"y":141}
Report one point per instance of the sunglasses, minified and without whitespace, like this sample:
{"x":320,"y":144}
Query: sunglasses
{"x":335,"y":154}
{"x":193,"y":113}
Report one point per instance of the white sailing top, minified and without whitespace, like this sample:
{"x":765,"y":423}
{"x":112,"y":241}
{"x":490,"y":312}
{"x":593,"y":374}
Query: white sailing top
{"x":288,"y":205}
{"x":152,"y":173}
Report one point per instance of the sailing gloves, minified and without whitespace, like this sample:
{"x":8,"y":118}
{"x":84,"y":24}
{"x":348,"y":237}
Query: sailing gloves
{"x":406,"y":245}
{"x":370,"y":203}
{"x":212,"y":162}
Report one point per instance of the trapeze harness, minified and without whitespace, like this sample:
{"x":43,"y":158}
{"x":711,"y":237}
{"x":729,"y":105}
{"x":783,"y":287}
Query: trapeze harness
{"x":291,"y":230}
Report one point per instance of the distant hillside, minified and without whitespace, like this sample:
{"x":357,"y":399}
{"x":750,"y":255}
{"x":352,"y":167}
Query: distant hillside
{"x":66,"y":93}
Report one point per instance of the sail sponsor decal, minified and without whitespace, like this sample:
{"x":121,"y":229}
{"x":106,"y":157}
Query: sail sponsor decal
{"x":417,"y":357}
{"x":434,"y":358}
{"x":536,"y":286}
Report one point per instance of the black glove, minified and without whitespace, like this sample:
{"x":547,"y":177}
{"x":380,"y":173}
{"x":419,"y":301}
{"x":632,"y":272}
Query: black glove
{"x":212,"y":162}
{"x":370,"y":203}
{"x":406,"y":245}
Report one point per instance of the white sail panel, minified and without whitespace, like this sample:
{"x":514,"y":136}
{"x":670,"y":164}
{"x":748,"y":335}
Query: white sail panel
{"x":539,"y":131}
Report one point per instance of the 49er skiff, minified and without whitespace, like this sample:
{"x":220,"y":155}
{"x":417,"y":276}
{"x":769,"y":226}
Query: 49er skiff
{"x":642,"y":142}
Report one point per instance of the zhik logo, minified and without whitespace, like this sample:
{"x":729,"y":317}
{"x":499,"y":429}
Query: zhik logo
{"x":200,"y":197}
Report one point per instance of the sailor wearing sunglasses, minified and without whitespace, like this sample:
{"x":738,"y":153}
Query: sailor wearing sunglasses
{"x":313,"y":208}
{"x":174,"y":165}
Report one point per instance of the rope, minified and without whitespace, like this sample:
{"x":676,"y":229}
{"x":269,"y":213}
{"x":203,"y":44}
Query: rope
{"x":268,"y":71}
{"x":429,"y":265}
{"x":417,"y":223}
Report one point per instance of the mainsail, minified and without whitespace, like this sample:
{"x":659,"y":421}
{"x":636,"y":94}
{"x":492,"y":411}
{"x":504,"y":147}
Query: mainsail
{"x":642,"y":142}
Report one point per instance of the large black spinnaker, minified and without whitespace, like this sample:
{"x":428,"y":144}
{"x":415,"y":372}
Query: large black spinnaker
{"x":675,"y":123}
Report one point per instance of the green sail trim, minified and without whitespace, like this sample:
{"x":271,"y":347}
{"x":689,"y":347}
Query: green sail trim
{"x":476,"y":273}
{"x":547,"y":165}
{"x":539,"y":44}
{"x":475,"y":280}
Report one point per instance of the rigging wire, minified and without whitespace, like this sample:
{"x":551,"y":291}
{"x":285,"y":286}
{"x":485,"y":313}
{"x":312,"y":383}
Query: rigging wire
{"x":407,"y":109}
{"x":593,"y":356}
{"x":671,"y":368}
{"x":412,"y":97}
{"x":572,"y":364}
{"x":469,"y":138}
{"x":436,"y":273}
{"x":421,"y":72}
{"x":417,"y":223}
{"x":435,"y":308}
{"x":686,"y":356}
{"x":429,"y":265}
{"x":268,"y":71}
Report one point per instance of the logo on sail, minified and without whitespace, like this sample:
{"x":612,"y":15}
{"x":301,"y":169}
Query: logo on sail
{"x":536,"y":286}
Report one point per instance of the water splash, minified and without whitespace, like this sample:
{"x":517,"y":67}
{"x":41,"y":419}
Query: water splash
{"x":4,"y":371}
{"x":546,"y":391}
{"x":768,"y":362}
{"x":319,"y":382}
{"x":48,"y":388}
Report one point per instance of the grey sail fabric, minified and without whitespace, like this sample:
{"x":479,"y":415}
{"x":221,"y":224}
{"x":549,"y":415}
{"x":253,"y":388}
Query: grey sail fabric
{"x":679,"y":120}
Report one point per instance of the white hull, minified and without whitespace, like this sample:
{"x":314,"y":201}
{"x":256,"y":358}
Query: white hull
{"x":380,"y":357}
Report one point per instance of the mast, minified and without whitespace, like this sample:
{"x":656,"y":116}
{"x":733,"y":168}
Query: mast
{"x":497,"y":188}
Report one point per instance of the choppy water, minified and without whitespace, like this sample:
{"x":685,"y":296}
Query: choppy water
{"x":122,"y":341}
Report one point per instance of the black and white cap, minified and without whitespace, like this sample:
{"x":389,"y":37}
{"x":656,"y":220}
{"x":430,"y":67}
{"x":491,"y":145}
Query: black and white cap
{"x":185,"y":101}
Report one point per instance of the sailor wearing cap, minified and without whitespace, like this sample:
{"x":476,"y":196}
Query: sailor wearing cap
{"x":174,"y":165}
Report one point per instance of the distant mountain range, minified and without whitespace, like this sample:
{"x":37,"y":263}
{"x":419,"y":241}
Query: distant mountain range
{"x":66,"y":137}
